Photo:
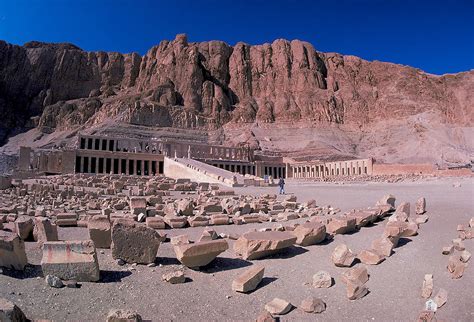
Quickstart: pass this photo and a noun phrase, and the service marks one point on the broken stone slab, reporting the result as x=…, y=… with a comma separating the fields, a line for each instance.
x=342, y=256
x=278, y=306
x=441, y=298
x=179, y=240
x=383, y=246
x=356, y=291
x=9, y=312
x=176, y=277
x=363, y=218
x=370, y=257
x=248, y=280
x=421, y=219
x=356, y=275
x=123, y=316
x=185, y=207
x=44, y=230
x=387, y=200
x=322, y=279
x=405, y=228
x=219, y=219
x=313, y=305
x=134, y=243
x=24, y=227
x=99, y=228
x=420, y=206
x=208, y=234
x=254, y=245
x=456, y=266
x=265, y=316
x=66, y=219
x=458, y=244
x=427, y=288
x=201, y=253
x=404, y=207
x=12, y=251
x=465, y=256
x=71, y=260
x=156, y=222
x=341, y=225
x=448, y=250
x=426, y=316
x=198, y=221
x=137, y=205
x=176, y=221
x=309, y=233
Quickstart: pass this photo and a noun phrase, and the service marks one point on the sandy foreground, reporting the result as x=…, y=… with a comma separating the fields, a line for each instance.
x=395, y=284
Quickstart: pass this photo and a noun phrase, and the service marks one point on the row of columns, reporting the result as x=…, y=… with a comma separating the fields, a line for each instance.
x=87, y=164
x=342, y=168
x=243, y=169
x=274, y=172
x=171, y=149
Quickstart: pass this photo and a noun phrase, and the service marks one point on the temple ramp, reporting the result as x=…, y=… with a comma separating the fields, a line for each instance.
x=200, y=172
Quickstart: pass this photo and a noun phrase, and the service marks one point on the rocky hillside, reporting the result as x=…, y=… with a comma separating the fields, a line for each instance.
x=211, y=86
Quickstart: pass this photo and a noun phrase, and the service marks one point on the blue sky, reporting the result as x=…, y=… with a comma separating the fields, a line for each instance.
x=436, y=36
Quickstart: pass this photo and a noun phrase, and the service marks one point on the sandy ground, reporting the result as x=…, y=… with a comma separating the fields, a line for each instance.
x=395, y=284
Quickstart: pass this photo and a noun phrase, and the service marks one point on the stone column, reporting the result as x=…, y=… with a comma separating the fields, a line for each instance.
x=89, y=165
x=81, y=169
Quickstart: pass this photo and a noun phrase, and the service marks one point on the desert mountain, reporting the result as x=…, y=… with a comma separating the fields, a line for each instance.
x=284, y=98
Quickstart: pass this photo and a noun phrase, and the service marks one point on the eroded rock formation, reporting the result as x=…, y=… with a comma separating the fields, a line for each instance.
x=210, y=84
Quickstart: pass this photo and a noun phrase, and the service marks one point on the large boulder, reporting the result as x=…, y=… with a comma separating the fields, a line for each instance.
x=134, y=243
x=71, y=260
x=200, y=253
x=310, y=233
x=254, y=245
x=12, y=251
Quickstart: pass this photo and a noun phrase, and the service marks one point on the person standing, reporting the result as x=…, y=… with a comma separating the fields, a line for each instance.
x=281, y=183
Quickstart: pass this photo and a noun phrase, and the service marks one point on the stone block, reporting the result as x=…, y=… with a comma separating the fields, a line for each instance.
x=12, y=251
x=310, y=233
x=341, y=225
x=342, y=256
x=71, y=260
x=134, y=243
x=24, y=227
x=156, y=222
x=44, y=230
x=248, y=280
x=201, y=253
x=254, y=245
x=99, y=228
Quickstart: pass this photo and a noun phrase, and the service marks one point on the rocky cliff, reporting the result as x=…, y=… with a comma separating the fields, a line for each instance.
x=213, y=86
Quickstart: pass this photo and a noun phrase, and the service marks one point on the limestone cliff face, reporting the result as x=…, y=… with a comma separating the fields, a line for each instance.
x=209, y=84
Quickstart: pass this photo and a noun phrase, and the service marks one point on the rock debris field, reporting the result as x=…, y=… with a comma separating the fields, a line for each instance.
x=121, y=248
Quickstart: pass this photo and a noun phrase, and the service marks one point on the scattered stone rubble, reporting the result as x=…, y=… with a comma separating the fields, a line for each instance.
x=123, y=213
